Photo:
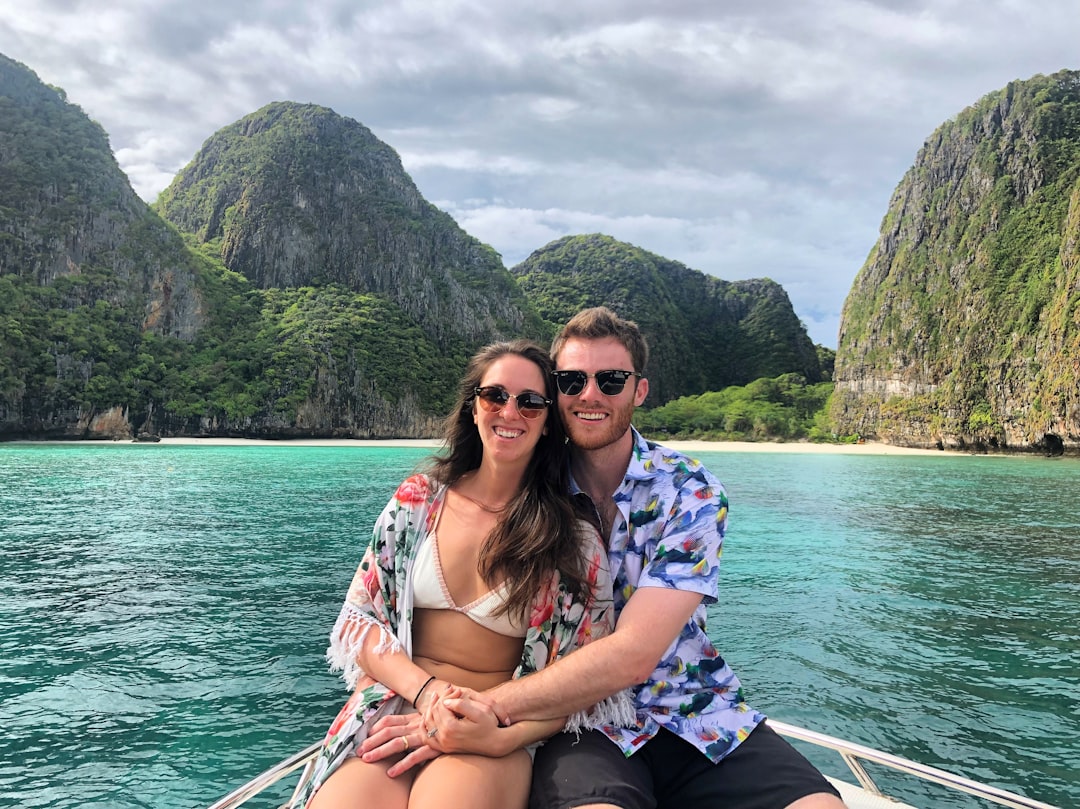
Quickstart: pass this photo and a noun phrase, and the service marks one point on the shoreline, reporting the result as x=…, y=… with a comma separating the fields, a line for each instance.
x=432, y=443
x=689, y=447
x=805, y=447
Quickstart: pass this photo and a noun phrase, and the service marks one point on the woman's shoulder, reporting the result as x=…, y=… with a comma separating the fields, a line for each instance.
x=416, y=490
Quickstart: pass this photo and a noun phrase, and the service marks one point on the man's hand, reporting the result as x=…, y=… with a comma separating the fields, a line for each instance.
x=385, y=740
x=463, y=724
x=478, y=700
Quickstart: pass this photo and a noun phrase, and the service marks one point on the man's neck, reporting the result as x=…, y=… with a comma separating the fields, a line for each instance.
x=600, y=472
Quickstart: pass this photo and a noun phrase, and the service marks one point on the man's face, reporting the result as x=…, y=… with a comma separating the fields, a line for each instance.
x=595, y=419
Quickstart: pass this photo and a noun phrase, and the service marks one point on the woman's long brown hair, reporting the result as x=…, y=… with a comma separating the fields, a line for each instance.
x=539, y=532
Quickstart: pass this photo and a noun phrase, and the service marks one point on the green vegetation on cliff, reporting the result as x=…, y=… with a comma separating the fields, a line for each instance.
x=284, y=362
x=300, y=359
x=54, y=159
x=783, y=408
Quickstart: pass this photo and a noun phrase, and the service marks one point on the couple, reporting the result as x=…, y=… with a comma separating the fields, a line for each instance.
x=485, y=574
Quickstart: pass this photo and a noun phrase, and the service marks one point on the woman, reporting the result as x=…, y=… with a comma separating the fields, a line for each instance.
x=477, y=572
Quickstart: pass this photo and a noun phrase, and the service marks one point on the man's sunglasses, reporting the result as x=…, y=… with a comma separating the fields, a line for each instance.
x=610, y=383
x=493, y=399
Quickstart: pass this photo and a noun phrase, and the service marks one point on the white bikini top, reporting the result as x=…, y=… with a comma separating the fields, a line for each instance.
x=430, y=592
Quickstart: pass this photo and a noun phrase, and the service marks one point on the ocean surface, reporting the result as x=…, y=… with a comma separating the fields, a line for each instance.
x=164, y=611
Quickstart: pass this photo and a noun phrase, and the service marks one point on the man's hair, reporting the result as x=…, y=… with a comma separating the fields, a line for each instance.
x=598, y=323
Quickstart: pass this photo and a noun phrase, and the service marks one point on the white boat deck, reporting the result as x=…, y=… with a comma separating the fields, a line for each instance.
x=858, y=798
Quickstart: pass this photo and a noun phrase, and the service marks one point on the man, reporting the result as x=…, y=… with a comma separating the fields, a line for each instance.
x=695, y=743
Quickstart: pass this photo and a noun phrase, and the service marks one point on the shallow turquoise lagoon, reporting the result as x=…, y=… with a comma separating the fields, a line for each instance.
x=164, y=611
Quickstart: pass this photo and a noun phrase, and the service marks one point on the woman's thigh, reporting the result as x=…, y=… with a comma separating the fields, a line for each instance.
x=460, y=781
x=356, y=784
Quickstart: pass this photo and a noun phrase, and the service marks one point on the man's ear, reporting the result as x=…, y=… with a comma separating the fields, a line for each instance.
x=641, y=391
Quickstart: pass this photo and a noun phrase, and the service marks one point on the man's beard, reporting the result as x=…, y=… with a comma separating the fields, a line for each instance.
x=615, y=426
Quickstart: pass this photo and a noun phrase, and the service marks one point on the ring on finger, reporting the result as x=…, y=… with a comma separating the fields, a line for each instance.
x=404, y=744
x=432, y=732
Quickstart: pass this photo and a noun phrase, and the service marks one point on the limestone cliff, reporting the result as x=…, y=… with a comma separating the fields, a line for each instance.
x=295, y=195
x=67, y=209
x=962, y=329
x=75, y=241
x=704, y=333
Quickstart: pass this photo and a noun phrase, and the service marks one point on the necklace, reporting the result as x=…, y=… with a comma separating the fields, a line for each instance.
x=478, y=504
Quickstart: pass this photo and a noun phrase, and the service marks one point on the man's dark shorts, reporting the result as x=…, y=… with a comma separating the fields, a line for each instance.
x=764, y=772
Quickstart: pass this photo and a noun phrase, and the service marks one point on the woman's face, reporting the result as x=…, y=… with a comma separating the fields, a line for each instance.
x=507, y=434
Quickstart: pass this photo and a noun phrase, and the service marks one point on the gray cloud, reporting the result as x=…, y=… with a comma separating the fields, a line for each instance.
x=744, y=141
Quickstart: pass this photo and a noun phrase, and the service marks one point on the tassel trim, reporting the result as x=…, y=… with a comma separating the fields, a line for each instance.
x=617, y=710
x=347, y=641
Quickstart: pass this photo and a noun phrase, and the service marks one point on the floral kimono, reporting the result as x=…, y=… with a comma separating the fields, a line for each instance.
x=380, y=599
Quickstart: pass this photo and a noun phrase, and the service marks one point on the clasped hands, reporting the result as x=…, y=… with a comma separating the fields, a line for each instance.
x=452, y=720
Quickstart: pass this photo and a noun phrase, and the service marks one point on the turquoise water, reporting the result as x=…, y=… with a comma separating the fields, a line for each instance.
x=164, y=611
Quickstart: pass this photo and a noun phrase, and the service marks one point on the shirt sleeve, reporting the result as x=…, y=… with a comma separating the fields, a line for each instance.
x=686, y=555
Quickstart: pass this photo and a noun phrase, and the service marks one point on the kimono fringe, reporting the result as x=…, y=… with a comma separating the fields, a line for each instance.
x=347, y=640
x=617, y=710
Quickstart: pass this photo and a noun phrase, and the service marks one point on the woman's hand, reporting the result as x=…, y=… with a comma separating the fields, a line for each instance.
x=396, y=734
x=431, y=697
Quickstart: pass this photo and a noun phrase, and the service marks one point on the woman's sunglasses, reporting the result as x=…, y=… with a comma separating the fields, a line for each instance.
x=610, y=383
x=493, y=399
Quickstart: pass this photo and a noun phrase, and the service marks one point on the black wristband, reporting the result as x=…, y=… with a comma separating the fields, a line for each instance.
x=421, y=691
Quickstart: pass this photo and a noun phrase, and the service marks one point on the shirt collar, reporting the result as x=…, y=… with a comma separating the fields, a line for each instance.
x=641, y=462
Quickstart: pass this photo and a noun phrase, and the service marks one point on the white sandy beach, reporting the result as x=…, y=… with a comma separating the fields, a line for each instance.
x=689, y=447
x=305, y=442
x=867, y=448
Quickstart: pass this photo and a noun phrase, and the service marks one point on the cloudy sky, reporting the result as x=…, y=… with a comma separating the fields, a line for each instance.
x=744, y=139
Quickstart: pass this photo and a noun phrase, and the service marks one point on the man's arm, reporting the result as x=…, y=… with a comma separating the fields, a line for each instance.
x=651, y=620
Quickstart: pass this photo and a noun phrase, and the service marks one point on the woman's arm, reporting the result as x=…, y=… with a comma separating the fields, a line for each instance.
x=395, y=670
